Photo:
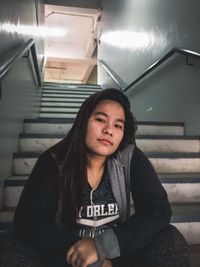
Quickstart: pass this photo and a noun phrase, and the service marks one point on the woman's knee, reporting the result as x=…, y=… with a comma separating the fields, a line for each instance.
x=16, y=252
x=168, y=249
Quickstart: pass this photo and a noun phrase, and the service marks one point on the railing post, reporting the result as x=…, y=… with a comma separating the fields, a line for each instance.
x=0, y=91
x=37, y=71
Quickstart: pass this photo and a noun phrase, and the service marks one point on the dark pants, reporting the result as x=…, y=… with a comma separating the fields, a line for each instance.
x=15, y=252
x=167, y=249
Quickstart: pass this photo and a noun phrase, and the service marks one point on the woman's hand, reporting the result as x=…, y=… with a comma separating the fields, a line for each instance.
x=107, y=263
x=82, y=253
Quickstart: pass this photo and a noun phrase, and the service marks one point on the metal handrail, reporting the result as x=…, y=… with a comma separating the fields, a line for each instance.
x=114, y=76
x=156, y=64
x=7, y=64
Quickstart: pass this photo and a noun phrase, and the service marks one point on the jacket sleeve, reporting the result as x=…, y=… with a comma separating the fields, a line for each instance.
x=35, y=214
x=152, y=209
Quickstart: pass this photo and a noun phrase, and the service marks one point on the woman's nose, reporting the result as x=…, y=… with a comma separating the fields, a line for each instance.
x=108, y=130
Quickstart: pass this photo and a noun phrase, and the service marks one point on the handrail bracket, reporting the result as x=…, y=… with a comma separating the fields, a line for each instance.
x=26, y=55
x=187, y=61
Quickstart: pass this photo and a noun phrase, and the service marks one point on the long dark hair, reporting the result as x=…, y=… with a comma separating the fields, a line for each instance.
x=73, y=178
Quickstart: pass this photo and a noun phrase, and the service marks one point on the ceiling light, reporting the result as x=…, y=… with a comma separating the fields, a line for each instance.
x=129, y=39
x=33, y=30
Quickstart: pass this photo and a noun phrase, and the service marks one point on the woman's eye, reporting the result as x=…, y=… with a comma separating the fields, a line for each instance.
x=119, y=126
x=100, y=120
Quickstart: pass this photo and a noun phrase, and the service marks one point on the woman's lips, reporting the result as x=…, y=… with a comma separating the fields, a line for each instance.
x=105, y=141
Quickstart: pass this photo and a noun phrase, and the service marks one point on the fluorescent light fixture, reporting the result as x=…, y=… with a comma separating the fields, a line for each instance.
x=33, y=30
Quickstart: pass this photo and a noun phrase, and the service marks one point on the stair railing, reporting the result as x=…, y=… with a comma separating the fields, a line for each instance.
x=187, y=53
x=12, y=57
x=113, y=75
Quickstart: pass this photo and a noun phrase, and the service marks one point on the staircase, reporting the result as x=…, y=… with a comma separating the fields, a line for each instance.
x=175, y=156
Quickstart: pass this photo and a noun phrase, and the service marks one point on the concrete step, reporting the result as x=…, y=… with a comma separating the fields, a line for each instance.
x=179, y=192
x=57, y=115
x=165, y=144
x=65, y=95
x=179, y=178
x=44, y=126
x=187, y=220
x=183, y=192
x=24, y=162
x=59, y=104
x=58, y=109
x=37, y=142
x=160, y=128
x=194, y=251
x=189, y=229
x=175, y=162
x=6, y=219
x=68, y=92
x=163, y=163
x=170, y=143
x=13, y=187
x=72, y=86
x=61, y=126
x=63, y=99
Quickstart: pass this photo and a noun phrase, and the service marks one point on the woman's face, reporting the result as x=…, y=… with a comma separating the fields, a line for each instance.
x=105, y=128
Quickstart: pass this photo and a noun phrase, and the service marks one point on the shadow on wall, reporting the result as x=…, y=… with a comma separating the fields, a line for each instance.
x=169, y=93
x=20, y=99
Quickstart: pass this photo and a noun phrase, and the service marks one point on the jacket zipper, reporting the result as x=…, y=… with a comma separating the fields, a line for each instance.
x=92, y=231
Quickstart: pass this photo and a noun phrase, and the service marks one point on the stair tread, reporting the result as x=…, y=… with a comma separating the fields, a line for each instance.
x=193, y=248
x=179, y=175
x=7, y=215
x=171, y=137
x=166, y=176
x=50, y=120
x=72, y=85
x=35, y=135
x=164, y=181
x=152, y=155
x=156, y=123
x=185, y=209
x=59, y=106
x=173, y=155
x=26, y=154
x=16, y=180
x=19, y=180
x=189, y=180
x=58, y=112
x=17, y=177
x=65, y=96
x=69, y=91
x=185, y=218
x=62, y=100
x=154, y=137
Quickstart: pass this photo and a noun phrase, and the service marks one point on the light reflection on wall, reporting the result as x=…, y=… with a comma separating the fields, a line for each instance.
x=32, y=30
x=128, y=39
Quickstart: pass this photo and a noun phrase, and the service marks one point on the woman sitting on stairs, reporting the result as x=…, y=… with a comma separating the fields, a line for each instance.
x=75, y=206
